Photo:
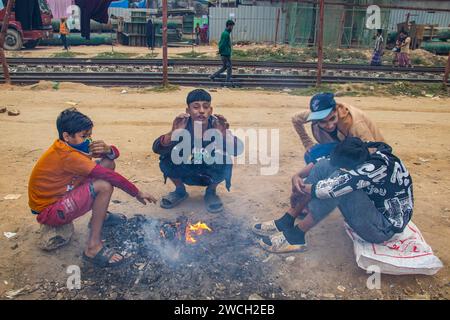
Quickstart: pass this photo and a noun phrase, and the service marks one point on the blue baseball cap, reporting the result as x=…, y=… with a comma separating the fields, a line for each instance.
x=321, y=106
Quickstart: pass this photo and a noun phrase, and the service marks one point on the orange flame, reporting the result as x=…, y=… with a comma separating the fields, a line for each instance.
x=195, y=229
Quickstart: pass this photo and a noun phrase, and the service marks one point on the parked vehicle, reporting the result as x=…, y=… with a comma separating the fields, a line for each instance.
x=16, y=37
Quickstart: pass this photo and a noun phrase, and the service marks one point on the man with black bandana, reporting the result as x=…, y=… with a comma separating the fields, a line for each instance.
x=369, y=184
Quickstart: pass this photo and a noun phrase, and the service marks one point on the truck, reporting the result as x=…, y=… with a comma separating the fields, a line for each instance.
x=16, y=37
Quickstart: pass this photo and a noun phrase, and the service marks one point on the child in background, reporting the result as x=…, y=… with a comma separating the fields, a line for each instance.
x=64, y=32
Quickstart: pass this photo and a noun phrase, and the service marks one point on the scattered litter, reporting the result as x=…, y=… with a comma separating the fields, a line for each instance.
x=124, y=91
x=116, y=201
x=14, y=293
x=267, y=259
x=140, y=266
x=290, y=259
x=13, y=112
x=12, y=196
x=429, y=96
x=404, y=253
x=341, y=288
x=328, y=296
x=9, y=235
x=255, y=296
x=419, y=297
x=424, y=160
x=71, y=103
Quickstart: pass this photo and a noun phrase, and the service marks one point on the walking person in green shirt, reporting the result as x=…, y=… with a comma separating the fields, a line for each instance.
x=225, y=52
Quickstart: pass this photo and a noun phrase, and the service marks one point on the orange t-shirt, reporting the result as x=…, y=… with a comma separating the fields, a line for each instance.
x=63, y=29
x=60, y=169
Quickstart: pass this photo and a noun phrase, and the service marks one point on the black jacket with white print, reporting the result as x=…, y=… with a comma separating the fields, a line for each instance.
x=383, y=177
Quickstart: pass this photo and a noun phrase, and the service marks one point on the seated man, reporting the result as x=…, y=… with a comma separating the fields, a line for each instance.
x=331, y=123
x=373, y=191
x=65, y=184
x=203, y=163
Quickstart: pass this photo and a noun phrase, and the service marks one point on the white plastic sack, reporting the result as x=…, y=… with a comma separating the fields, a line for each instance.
x=404, y=253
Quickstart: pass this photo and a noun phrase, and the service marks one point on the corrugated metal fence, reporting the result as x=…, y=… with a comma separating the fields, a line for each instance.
x=442, y=19
x=255, y=24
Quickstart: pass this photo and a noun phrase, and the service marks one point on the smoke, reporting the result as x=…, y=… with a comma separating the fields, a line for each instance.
x=168, y=250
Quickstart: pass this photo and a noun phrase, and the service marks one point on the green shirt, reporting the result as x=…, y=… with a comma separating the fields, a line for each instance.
x=225, y=44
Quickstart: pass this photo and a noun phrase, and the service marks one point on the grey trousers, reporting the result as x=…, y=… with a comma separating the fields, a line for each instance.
x=358, y=210
x=226, y=61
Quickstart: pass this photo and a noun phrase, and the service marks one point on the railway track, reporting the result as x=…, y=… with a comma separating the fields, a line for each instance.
x=212, y=62
x=152, y=79
x=190, y=72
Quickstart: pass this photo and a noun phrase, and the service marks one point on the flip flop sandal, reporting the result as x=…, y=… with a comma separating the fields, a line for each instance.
x=213, y=203
x=172, y=199
x=267, y=228
x=279, y=244
x=113, y=219
x=103, y=257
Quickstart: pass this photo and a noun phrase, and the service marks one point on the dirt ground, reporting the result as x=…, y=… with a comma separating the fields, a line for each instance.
x=419, y=56
x=92, y=51
x=417, y=128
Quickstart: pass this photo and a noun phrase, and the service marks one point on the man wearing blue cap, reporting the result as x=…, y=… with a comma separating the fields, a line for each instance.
x=332, y=122
x=225, y=52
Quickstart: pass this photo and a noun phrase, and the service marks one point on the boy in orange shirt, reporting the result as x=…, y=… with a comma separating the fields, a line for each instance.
x=65, y=184
x=64, y=32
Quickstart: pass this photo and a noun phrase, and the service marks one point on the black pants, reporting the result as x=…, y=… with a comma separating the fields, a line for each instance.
x=64, y=41
x=226, y=61
x=29, y=14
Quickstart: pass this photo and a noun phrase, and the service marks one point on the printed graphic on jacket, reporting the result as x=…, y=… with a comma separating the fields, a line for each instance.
x=383, y=177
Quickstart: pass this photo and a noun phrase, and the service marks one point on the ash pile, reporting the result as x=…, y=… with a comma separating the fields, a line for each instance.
x=218, y=262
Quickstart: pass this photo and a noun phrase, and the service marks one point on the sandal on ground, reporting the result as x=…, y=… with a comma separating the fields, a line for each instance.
x=112, y=219
x=172, y=199
x=279, y=244
x=267, y=228
x=213, y=202
x=103, y=257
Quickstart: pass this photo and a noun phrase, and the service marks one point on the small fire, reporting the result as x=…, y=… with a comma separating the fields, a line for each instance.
x=195, y=229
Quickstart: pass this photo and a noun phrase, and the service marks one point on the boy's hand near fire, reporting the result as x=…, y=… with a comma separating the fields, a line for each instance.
x=142, y=196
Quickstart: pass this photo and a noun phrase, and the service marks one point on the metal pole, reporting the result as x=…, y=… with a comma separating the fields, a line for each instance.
x=447, y=71
x=164, y=40
x=278, y=23
x=5, y=23
x=320, y=44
